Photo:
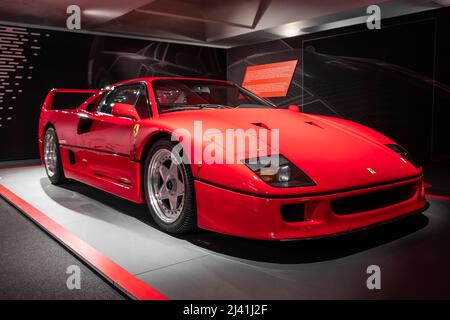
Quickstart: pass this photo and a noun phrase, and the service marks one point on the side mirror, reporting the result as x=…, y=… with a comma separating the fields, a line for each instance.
x=295, y=108
x=124, y=110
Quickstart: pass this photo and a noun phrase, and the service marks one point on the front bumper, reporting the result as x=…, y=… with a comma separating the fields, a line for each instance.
x=258, y=217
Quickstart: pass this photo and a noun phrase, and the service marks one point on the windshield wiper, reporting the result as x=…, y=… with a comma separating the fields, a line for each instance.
x=196, y=107
x=213, y=106
x=251, y=105
x=181, y=108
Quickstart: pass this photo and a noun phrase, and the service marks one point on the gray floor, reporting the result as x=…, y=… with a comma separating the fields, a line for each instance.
x=33, y=265
x=19, y=163
x=413, y=253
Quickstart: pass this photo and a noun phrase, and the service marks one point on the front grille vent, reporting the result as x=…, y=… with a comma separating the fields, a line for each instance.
x=373, y=200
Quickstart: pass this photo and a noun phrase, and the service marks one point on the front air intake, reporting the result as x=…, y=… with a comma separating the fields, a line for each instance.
x=293, y=212
x=373, y=200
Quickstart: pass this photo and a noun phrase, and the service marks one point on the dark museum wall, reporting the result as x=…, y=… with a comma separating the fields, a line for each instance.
x=395, y=80
x=33, y=61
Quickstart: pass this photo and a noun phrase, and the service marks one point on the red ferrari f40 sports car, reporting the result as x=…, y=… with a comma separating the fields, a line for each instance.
x=160, y=141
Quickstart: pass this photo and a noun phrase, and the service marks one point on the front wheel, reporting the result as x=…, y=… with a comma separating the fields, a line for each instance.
x=52, y=157
x=169, y=189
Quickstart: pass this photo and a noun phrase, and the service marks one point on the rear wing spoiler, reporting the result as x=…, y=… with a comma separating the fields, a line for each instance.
x=79, y=96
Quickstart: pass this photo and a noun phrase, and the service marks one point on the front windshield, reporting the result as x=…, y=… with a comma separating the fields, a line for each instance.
x=177, y=95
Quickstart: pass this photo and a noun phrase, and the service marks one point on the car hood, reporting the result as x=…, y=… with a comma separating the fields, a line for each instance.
x=336, y=154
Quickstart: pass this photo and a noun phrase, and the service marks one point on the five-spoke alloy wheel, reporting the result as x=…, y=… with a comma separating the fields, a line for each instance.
x=52, y=158
x=166, y=182
x=169, y=189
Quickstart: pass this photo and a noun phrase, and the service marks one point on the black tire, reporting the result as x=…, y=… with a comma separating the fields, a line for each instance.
x=187, y=219
x=57, y=176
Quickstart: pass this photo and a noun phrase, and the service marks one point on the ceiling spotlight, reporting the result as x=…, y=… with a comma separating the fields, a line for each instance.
x=101, y=13
x=289, y=30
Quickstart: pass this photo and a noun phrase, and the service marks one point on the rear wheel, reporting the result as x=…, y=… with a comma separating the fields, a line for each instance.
x=52, y=157
x=169, y=189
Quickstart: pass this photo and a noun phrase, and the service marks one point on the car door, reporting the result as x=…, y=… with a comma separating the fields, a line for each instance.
x=107, y=139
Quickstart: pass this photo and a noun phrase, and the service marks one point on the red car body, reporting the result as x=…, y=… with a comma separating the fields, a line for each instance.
x=350, y=164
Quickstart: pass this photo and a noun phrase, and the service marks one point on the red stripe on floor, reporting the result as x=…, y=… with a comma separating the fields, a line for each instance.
x=435, y=196
x=112, y=271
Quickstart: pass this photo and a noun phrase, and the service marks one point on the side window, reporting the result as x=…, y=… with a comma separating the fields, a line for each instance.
x=135, y=95
x=94, y=104
x=105, y=105
x=142, y=105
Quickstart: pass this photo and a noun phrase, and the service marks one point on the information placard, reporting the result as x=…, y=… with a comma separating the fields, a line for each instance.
x=270, y=80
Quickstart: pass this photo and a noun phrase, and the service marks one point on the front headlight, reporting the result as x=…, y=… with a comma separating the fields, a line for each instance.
x=278, y=171
x=404, y=154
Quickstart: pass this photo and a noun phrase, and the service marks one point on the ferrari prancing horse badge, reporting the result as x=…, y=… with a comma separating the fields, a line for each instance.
x=135, y=130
